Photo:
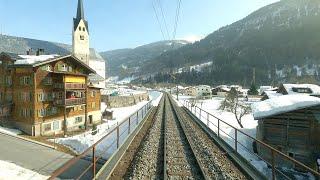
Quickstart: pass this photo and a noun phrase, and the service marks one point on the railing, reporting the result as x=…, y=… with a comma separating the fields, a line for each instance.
x=70, y=102
x=58, y=85
x=86, y=164
x=235, y=140
x=76, y=101
x=75, y=86
x=59, y=101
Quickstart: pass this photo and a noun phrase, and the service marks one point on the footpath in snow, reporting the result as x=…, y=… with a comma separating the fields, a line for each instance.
x=12, y=171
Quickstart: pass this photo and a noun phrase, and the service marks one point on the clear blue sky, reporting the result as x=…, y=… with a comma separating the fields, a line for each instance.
x=118, y=24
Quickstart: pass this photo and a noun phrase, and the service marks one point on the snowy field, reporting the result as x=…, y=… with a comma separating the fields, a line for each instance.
x=81, y=142
x=12, y=171
x=227, y=133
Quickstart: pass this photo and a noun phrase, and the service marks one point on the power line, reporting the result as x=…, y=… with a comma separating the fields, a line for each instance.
x=176, y=20
x=155, y=12
x=164, y=19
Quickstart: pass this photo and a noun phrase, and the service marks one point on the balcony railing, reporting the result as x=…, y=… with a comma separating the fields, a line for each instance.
x=70, y=102
x=75, y=86
x=77, y=101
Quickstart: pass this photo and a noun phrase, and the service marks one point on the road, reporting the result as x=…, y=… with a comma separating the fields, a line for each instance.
x=32, y=156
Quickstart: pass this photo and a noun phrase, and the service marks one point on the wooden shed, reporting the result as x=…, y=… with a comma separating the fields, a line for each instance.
x=291, y=124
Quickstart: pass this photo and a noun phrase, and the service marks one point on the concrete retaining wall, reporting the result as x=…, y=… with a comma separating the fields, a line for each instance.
x=124, y=101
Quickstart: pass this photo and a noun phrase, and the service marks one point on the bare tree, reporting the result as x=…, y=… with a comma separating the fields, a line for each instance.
x=236, y=106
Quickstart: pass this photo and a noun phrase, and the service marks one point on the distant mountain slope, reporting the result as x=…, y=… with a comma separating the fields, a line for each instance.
x=126, y=61
x=20, y=45
x=273, y=38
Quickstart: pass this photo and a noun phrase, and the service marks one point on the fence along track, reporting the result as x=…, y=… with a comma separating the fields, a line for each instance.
x=172, y=146
x=142, y=155
x=212, y=159
x=180, y=160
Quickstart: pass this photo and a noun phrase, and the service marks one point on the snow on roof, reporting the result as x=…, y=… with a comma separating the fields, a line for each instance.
x=32, y=59
x=204, y=86
x=272, y=94
x=282, y=104
x=314, y=88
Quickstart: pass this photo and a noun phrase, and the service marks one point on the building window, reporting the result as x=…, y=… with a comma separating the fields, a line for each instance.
x=47, y=127
x=84, y=29
x=79, y=28
x=78, y=120
x=41, y=112
x=56, y=125
x=54, y=110
x=70, y=69
x=81, y=37
x=93, y=93
x=60, y=95
x=25, y=112
x=46, y=68
x=302, y=90
x=47, y=81
x=93, y=105
x=25, y=80
x=9, y=80
x=62, y=67
x=40, y=97
x=25, y=96
x=8, y=97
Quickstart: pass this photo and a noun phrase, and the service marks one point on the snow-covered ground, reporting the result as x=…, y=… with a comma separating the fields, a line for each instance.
x=13, y=132
x=12, y=171
x=81, y=142
x=227, y=133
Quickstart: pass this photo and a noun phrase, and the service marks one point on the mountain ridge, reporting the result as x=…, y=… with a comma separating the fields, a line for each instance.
x=127, y=61
x=275, y=37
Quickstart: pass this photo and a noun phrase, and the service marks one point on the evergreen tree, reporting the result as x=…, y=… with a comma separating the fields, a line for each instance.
x=253, y=90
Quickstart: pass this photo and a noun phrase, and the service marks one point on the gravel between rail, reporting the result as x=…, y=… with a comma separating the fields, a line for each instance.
x=172, y=146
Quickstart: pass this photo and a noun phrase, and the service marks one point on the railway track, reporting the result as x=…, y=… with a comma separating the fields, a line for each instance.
x=171, y=145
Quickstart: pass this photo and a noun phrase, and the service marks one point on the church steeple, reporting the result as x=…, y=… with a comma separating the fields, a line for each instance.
x=80, y=35
x=80, y=11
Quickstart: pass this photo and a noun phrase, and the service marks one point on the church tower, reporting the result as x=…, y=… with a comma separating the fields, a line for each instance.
x=80, y=36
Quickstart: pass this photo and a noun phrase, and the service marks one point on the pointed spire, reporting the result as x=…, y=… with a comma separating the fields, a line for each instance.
x=80, y=11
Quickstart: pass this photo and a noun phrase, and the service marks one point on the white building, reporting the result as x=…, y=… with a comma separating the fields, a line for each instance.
x=203, y=91
x=81, y=48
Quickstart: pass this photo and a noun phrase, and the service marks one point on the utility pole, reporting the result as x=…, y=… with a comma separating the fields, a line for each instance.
x=254, y=76
x=175, y=80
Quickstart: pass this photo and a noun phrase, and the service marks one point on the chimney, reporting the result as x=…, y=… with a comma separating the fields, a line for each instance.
x=29, y=52
x=40, y=52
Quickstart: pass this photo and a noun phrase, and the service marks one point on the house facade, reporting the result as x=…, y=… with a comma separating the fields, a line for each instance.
x=47, y=94
x=290, y=124
x=203, y=91
x=190, y=91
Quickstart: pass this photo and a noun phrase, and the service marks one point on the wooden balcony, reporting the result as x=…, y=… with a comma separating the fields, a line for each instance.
x=70, y=102
x=75, y=86
x=77, y=101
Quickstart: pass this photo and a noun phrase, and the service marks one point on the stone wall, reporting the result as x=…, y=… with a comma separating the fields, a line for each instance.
x=124, y=101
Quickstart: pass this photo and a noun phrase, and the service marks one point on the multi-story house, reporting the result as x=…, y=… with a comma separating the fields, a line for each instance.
x=47, y=94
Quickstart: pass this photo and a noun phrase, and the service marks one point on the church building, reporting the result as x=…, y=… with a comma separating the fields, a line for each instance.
x=81, y=47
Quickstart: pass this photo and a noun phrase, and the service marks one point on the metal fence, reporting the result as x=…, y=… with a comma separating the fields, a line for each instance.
x=87, y=164
x=241, y=142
